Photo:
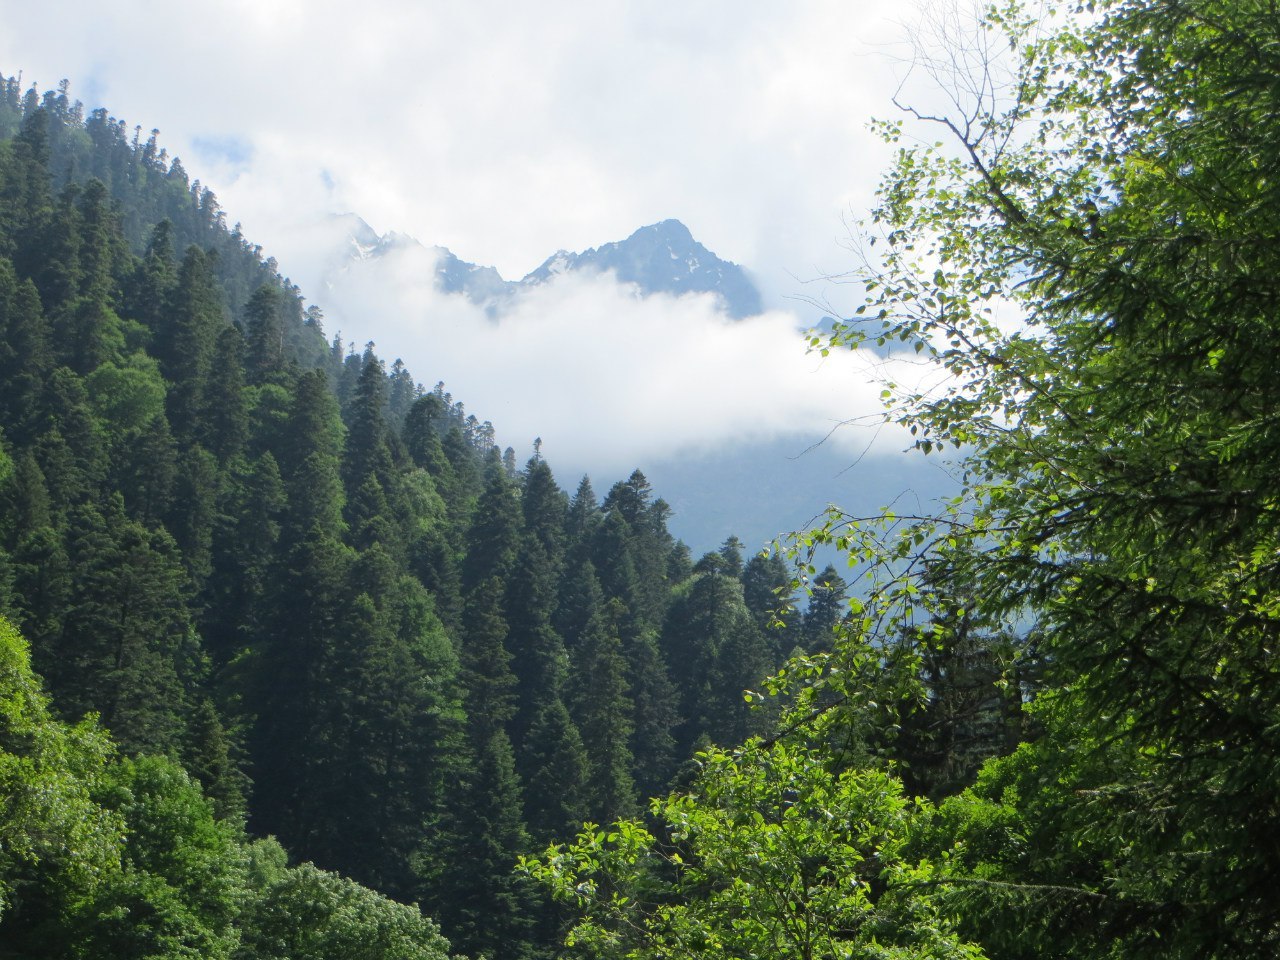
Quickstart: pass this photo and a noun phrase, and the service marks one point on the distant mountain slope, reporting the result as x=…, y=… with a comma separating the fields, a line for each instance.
x=660, y=258
x=269, y=558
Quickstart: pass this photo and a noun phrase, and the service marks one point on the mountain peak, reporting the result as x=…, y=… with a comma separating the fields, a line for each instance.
x=662, y=257
x=362, y=237
x=673, y=229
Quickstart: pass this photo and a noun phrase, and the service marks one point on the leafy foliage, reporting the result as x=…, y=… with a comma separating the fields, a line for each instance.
x=1090, y=262
x=306, y=912
x=49, y=823
x=771, y=855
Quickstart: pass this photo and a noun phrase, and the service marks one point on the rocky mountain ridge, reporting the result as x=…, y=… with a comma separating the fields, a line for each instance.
x=660, y=258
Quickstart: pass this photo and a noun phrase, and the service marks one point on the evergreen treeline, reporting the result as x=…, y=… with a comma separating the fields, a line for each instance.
x=318, y=588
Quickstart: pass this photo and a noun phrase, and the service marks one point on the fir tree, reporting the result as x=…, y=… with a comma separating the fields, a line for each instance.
x=710, y=632
x=150, y=293
x=581, y=522
x=264, y=334
x=367, y=466
x=225, y=413
x=495, y=531
x=470, y=886
x=602, y=709
x=827, y=608
x=398, y=735
x=39, y=570
x=123, y=644
x=71, y=452
x=147, y=472
x=186, y=342
x=655, y=714
x=245, y=536
x=556, y=772
x=491, y=687
x=296, y=722
x=193, y=510
x=26, y=356
x=210, y=756
x=766, y=590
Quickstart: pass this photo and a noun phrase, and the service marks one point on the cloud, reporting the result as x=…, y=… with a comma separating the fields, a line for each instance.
x=503, y=130
x=610, y=380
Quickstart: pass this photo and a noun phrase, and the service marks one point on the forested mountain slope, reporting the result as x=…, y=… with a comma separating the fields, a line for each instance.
x=1047, y=726
x=358, y=626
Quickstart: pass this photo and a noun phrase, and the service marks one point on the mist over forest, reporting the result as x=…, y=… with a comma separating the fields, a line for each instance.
x=300, y=659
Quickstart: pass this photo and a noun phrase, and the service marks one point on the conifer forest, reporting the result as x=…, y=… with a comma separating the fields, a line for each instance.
x=296, y=662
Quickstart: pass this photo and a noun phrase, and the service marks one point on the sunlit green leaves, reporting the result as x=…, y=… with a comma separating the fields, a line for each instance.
x=1091, y=260
x=773, y=853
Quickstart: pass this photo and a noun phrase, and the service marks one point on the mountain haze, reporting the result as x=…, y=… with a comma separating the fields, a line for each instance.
x=660, y=258
x=663, y=258
x=712, y=390
x=300, y=597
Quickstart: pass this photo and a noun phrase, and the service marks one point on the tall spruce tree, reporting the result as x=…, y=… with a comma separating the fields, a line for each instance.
x=26, y=354
x=494, y=535
x=186, y=342
x=602, y=708
x=226, y=414
x=398, y=741
x=39, y=571
x=245, y=538
x=264, y=334
x=368, y=467
x=469, y=883
x=766, y=590
x=126, y=642
x=654, y=715
x=711, y=633
x=289, y=683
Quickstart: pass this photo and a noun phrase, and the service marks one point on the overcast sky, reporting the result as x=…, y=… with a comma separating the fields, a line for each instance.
x=506, y=131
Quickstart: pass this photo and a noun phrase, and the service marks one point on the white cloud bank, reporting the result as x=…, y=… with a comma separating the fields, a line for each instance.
x=506, y=130
x=607, y=379
x=503, y=130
